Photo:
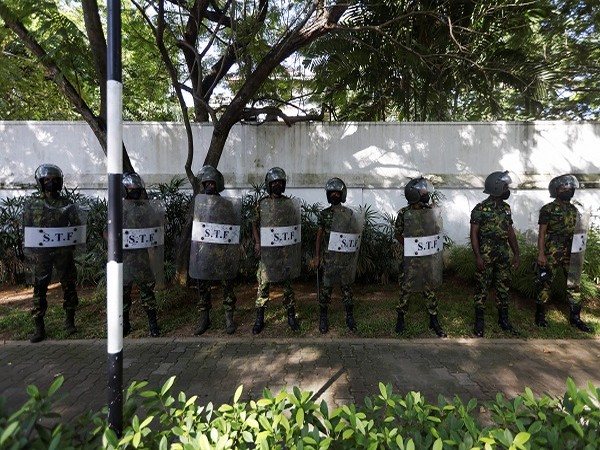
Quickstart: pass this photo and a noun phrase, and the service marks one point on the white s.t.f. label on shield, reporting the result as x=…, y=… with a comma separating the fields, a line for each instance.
x=280, y=236
x=343, y=242
x=215, y=233
x=423, y=246
x=38, y=237
x=137, y=238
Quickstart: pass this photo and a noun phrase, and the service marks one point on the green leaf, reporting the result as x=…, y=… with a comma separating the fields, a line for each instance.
x=238, y=393
x=137, y=438
x=300, y=417
x=264, y=402
x=438, y=444
x=146, y=421
x=163, y=445
x=383, y=391
x=8, y=432
x=33, y=391
x=167, y=386
x=521, y=438
x=56, y=384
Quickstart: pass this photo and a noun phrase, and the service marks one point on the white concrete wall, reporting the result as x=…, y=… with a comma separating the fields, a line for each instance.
x=374, y=159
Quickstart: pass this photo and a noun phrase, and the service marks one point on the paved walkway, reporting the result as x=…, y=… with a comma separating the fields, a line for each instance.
x=337, y=370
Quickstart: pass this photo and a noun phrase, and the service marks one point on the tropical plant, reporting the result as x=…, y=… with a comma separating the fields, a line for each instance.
x=296, y=420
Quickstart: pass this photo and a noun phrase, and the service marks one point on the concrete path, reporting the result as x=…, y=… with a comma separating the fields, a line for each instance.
x=339, y=371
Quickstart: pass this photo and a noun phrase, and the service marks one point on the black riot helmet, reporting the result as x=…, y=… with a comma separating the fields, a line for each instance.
x=209, y=173
x=275, y=174
x=133, y=186
x=417, y=189
x=495, y=182
x=336, y=185
x=49, y=178
x=566, y=180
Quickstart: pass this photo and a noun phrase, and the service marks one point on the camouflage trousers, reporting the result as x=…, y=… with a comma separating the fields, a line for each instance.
x=262, y=295
x=204, y=294
x=558, y=263
x=42, y=275
x=428, y=294
x=325, y=295
x=496, y=275
x=147, y=297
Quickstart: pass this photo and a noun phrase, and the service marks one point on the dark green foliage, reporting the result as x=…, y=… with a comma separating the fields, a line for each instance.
x=376, y=261
x=297, y=420
x=11, y=240
x=591, y=265
x=177, y=208
x=249, y=260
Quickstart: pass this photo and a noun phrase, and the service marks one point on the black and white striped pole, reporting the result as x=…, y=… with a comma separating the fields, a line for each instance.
x=114, y=266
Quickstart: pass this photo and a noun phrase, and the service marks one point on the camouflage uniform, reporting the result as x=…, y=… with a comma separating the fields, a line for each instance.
x=324, y=222
x=204, y=291
x=429, y=294
x=262, y=295
x=136, y=262
x=560, y=219
x=51, y=213
x=494, y=220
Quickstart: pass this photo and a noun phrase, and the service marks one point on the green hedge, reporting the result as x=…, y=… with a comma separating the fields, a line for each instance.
x=294, y=420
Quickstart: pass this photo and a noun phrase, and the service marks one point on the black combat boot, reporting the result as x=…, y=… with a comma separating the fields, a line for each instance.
x=575, y=320
x=350, y=323
x=204, y=323
x=126, y=324
x=40, y=331
x=540, y=315
x=479, y=322
x=400, y=323
x=435, y=326
x=229, y=325
x=259, y=324
x=152, y=323
x=292, y=322
x=323, y=322
x=70, y=322
x=504, y=322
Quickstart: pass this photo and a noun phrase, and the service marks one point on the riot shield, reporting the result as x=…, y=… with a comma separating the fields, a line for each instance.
x=143, y=242
x=215, y=246
x=578, y=250
x=52, y=237
x=423, y=248
x=340, y=260
x=280, y=239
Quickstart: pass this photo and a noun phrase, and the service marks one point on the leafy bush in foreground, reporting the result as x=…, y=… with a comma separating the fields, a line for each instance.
x=158, y=420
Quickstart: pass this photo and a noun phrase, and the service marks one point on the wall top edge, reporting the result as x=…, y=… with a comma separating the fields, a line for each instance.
x=532, y=122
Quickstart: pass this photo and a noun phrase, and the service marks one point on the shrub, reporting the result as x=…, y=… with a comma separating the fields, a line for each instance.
x=294, y=420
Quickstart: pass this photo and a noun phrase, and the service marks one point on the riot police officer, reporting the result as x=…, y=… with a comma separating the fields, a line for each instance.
x=557, y=221
x=138, y=263
x=491, y=235
x=50, y=209
x=420, y=271
x=216, y=255
x=277, y=220
x=338, y=264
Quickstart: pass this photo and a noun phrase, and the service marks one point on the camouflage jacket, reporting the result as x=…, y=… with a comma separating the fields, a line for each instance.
x=425, y=229
x=494, y=220
x=256, y=217
x=560, y=218
x=57, y=212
